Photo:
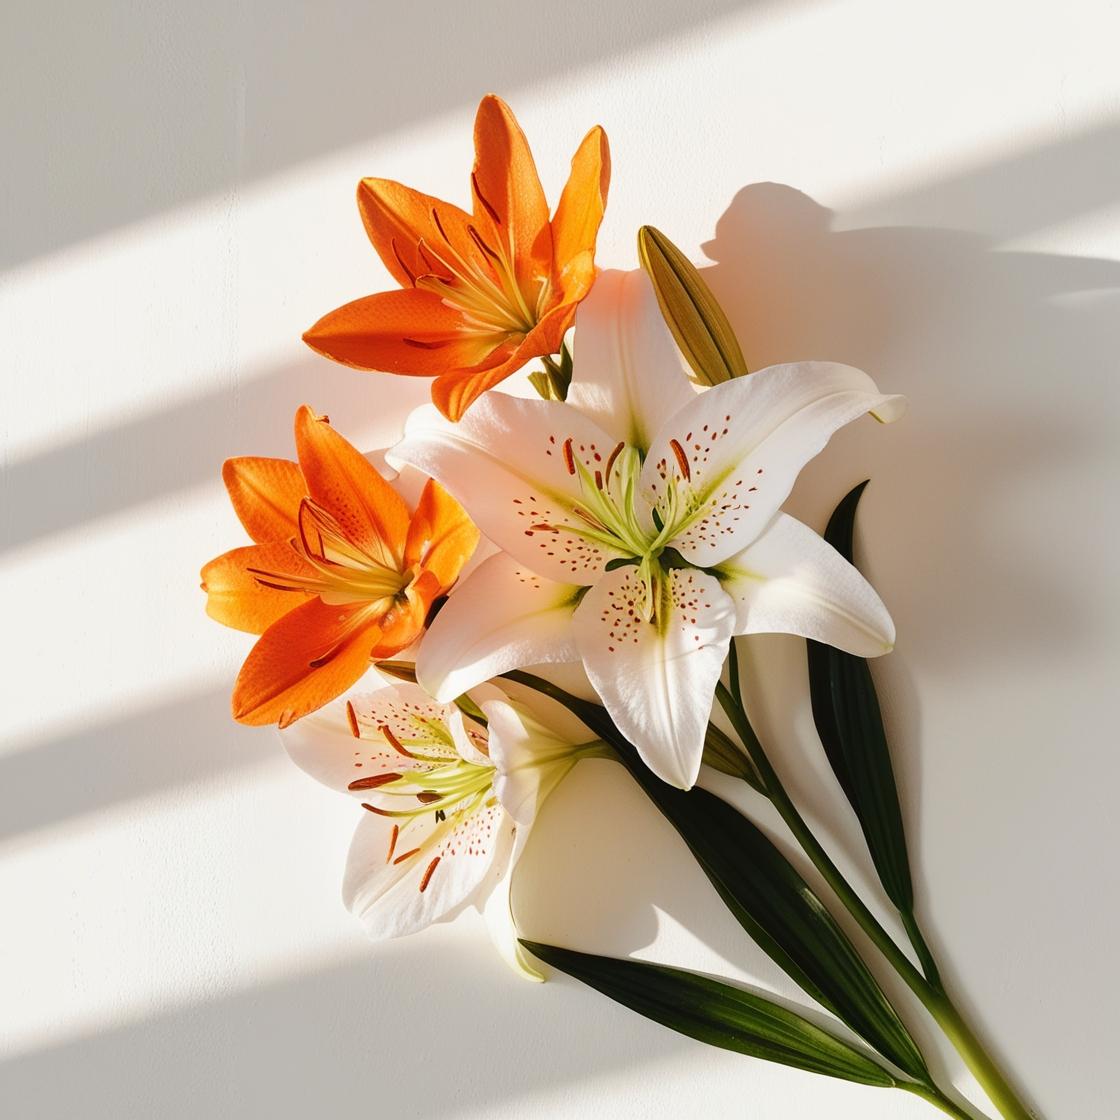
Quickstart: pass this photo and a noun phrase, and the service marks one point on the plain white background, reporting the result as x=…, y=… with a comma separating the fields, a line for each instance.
x=927, y=190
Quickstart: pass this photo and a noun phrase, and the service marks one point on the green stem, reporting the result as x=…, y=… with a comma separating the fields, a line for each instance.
x=938, y=1099
x=929, y=991
x=923, y=951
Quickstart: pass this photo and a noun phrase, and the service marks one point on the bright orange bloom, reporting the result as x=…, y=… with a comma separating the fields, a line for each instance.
x=483, y=293
x=340, y=574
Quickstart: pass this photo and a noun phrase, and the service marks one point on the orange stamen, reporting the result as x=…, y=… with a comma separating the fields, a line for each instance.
x=682, y=459
x=373, y=781
x=610, y=462
x=428, y=874
x=393, y=741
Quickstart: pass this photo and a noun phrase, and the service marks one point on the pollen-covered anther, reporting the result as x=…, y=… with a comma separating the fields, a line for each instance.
x=610, y=462
x=682, y=459
x=429, y=871
x=569, y=458
x=373, y=781
x=393, y=741
x=352, y=719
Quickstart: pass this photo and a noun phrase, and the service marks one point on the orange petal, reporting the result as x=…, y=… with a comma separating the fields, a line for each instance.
x=408, y=331
x=265, y=494
x=234, y=596
x=405, y=622
x=509, y=199
x=371, y=514
x=457, y=390
x=441, y=537
x=397, y=218
x=303, y=661
x=575, y=225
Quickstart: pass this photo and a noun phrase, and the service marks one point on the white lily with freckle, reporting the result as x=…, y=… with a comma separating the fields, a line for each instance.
x=641, y=527
x=448, y=799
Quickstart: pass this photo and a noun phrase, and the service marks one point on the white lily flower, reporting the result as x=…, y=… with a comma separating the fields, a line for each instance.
x=641, y=525
x=449, y=802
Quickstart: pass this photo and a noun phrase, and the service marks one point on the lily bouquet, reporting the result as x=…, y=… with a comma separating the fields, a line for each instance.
x=632, y=525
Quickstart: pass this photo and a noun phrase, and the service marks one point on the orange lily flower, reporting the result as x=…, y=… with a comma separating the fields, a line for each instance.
x=340, y=574
x=483, y=293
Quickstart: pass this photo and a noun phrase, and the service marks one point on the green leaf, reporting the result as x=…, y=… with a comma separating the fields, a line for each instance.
x=717, y=1014
x=765, y=894
x=850, y=726
x=697, y=321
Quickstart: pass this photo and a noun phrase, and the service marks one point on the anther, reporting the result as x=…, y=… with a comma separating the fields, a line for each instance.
x=393, y=741
x=428, y=873
x=439, y=225
x=407, y=271
x=373, y=781
x=476, y=237
x=569, y=458
x=610, y=462
x=482, y=198
x=682, y=459
x=352, y=718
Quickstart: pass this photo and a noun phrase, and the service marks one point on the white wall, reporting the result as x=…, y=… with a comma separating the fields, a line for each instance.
x=928, y=190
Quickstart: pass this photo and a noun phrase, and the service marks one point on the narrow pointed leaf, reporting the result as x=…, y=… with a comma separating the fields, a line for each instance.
x=697, y=321
x=717, y=1014
x=765, y=894
x=850, y=725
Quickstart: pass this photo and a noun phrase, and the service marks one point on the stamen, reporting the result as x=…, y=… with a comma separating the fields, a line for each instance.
x=393, y=741
x=439, y=226
x=610, y=462
x=393, y=841
x=426, y=345
x=406, y=855
x=682, y=459
x=482, y=198
x=569, y=458
x=407, y=271
x=373, y=781
x=477, y=238
x=428, y=874
x=352, y=718
x=590, y=518
x=598, y=480
x=427, y=796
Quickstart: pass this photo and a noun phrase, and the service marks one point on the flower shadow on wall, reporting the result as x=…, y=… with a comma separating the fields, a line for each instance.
x=1001, y=469
x=975, y=338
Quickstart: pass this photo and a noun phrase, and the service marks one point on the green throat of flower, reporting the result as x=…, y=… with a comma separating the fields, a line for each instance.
x=610, y=514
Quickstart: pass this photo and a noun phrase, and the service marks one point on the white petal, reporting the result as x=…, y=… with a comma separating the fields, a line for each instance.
x=657, y=680
x=628, y=374
x=791, y=581
x=323, y=743
x=510, y=464
x=530, y=759
x=501, y=617
x=453, y=860
x=497, y=908
x=745, y=442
